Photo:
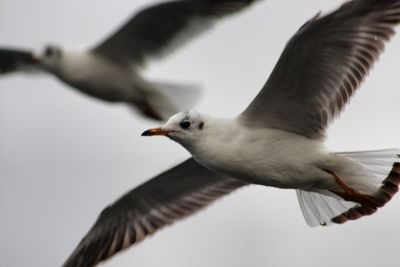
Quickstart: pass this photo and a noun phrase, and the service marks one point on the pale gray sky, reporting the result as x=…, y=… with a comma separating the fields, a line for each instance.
x=64, y=156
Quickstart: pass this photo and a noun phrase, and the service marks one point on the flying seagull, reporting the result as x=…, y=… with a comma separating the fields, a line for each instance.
x=110, y=70
x=277, y=141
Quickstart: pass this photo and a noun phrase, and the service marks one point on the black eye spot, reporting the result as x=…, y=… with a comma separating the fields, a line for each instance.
x=185, y=124
x=49, y=51
x=201, y=125
x=52, y=51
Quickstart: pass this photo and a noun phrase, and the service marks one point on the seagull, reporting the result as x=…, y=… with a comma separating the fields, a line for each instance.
x=110, y=71
x=276, y=141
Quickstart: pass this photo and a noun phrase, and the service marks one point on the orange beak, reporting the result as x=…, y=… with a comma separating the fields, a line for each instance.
x=156, y=131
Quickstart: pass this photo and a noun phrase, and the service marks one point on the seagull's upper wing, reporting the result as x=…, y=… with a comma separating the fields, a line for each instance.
x=156, y=29
x=170, y=196
x=322, y=66
x=14, y=60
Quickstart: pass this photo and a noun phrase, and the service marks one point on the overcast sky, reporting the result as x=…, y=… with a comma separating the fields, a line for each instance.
x=65, y=156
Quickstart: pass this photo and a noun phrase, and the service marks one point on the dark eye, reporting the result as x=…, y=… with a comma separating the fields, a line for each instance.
x=49, y=51
x=52, y=51
x=201, y=125
x=185, y=124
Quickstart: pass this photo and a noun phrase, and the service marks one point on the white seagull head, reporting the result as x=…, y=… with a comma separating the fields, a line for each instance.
x=183, y=127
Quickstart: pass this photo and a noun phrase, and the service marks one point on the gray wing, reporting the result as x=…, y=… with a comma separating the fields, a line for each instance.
x=322, y=66
x=12, y=60
x=170, y=196
x=161, y=27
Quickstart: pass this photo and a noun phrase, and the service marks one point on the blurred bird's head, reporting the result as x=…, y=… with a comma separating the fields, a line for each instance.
x=51, y=55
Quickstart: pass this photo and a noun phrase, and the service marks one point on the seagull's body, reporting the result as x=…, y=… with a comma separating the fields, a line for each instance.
x=263, y=156
x=111, y=70
x=268, y=156
x=94, y=75
x=278, y=140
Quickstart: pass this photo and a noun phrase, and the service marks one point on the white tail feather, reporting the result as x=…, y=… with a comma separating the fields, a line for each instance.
x=377, y=162
x=162, y=100
x=180, y=97
x=319, y=208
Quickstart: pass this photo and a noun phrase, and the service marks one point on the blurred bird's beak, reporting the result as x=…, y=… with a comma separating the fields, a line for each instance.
x=156, y=131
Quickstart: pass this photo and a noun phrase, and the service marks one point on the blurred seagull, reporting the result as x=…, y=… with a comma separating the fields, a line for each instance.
x=277, y=141
x=110, y=71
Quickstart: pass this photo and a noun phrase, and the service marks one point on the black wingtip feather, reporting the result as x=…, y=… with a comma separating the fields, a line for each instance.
x=12, y=60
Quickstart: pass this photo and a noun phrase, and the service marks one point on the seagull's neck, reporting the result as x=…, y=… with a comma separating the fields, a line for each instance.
x=219, y=134
x=69, y=58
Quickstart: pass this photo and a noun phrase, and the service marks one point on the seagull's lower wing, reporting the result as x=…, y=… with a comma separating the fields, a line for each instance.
x=15, y=60
x=322, y=66
x=170, y=196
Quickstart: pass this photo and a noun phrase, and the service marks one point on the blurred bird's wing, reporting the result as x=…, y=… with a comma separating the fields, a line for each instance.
x=164, y=26
x=322, y=66
x=12, y=60
x=170, y=196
